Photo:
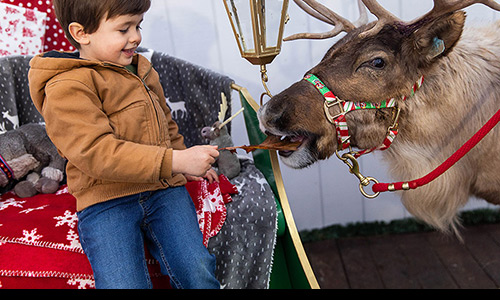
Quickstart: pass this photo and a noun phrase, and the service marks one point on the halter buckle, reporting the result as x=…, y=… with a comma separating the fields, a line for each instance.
x=327, y=105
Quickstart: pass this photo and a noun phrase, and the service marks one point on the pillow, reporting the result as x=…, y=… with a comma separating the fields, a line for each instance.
x=54, y=38
x=22, y=30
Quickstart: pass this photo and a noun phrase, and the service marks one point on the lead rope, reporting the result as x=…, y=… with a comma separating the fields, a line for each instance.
x=459, y=154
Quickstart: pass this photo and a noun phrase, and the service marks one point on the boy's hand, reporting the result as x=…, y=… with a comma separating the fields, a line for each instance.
x=211, y=176
x=195, y=161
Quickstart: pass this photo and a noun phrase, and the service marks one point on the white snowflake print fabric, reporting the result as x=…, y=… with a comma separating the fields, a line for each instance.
x=60, y=233
x=39, y=239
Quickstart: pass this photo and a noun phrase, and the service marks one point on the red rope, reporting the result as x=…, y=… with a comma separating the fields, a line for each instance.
x=474, y=140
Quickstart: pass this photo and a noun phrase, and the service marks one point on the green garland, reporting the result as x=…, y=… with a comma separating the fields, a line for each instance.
x=407, y=225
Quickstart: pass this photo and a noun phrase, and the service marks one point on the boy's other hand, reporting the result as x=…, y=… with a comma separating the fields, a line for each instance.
x=211, y=176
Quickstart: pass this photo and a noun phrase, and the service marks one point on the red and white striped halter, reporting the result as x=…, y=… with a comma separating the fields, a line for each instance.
x=339, y=120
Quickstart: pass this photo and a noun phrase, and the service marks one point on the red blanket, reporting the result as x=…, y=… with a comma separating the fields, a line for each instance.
x=210, y=200
x=39, y=246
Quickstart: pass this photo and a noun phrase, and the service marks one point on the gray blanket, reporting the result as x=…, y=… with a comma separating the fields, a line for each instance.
x=16, y=107
x=244, y=247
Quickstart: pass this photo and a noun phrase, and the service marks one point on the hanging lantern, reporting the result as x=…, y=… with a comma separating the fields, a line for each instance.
x=258, y=27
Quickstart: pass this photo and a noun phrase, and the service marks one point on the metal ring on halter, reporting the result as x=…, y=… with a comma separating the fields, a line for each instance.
x=362, y=190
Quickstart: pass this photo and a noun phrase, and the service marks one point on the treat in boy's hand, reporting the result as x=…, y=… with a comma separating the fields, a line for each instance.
x=272, y=142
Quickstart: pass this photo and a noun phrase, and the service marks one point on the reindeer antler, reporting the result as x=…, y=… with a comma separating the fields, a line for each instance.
x=326, y=15
x=441, y=7
x=384, y=17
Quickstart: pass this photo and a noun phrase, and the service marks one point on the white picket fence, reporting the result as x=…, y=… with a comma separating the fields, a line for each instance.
x=324, y=194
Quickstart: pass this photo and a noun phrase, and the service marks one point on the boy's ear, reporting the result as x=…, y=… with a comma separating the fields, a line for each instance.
x=78, y=33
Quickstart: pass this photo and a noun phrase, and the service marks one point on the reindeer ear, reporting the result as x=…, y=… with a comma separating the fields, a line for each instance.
x=438, y=37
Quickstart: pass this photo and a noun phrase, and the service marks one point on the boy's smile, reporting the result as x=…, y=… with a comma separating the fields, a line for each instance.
x=129, y=52
x=115, y=40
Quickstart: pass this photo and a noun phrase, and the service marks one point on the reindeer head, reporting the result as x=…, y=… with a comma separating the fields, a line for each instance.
x=373, y=62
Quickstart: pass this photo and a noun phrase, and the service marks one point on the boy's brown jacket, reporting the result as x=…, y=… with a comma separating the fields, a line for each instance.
x=112, y=126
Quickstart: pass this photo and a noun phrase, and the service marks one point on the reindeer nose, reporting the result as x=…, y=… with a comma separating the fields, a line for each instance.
x=266, y=115
x=267, y=118
x=274, y=114
x=261, y=116
x=261, y=112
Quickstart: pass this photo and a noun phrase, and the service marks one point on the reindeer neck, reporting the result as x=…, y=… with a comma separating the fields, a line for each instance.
x=459, y=95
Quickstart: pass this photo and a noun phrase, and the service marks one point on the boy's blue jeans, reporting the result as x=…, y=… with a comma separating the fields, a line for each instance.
x=113, y=234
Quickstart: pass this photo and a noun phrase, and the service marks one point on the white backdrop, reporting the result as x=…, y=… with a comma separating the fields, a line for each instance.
x=325, y=193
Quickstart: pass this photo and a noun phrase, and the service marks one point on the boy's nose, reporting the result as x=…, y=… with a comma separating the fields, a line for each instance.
x=136, y=38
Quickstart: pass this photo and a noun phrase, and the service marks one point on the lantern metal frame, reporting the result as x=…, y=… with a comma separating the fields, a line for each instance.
x=261, y=54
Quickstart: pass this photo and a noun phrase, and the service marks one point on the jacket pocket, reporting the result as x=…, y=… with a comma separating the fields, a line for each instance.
x=133, y=123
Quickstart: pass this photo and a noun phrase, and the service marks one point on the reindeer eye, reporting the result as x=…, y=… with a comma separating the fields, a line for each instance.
x=377, y=63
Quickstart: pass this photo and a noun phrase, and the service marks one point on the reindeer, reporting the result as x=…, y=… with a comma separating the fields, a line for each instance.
x=381, y=65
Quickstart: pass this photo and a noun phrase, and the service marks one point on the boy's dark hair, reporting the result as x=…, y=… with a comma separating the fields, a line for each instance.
x=89, y=13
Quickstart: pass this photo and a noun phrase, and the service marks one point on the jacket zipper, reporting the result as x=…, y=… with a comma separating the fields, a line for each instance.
x=148, y=90
x=143, y=80
x=160, y=132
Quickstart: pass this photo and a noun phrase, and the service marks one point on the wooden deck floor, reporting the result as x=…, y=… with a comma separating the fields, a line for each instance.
x=409, y=261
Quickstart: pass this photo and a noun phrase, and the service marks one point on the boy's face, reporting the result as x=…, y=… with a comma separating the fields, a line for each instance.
x=115, y=40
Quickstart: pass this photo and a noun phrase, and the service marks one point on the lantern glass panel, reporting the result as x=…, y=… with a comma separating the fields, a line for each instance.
x=241, y=17
x=270, y=12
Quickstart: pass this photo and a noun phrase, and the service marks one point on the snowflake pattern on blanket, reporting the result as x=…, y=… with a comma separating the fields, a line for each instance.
x=39, y=243
x=60, y=233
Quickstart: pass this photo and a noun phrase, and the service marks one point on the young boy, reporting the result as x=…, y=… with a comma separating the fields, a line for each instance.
x=106, y=113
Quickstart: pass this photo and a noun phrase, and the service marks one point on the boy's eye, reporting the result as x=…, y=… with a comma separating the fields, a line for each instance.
x=125, y=30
